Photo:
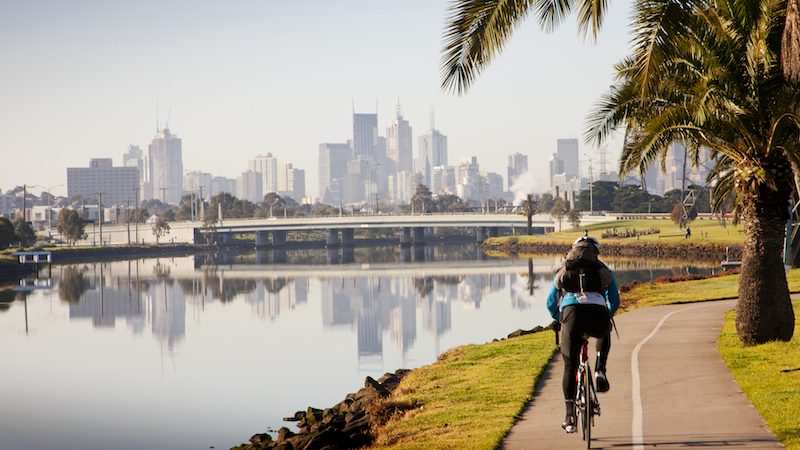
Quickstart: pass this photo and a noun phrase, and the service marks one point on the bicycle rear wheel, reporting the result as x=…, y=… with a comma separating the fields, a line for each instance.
x=588, y=408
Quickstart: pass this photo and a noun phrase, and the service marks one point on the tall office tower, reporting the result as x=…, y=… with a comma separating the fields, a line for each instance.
x=432, y=152
x=398, y=143
x=567, y=150
x=198, y=183
x=357, y=183
x=517, y=165
x=267, y=166
x=135, y=157
x=222, y=185
x=556, y=168
x=248, y=186
x=117, y=185
x=332, y=170
x=437, y=179
x=673, y=176
x=296, y=180
x=166, y=167
x=365, y=135
x=494, y=186
x=402, y=186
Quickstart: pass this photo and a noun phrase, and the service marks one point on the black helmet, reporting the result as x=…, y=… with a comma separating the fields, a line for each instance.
x=586, y=240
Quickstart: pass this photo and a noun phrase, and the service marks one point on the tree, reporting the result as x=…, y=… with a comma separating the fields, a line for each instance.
x=449, y=203
x=559, y=209
x=24, y=233
x=160, y=228
x=477, y=30
x=7, y=235
x=70, y=225
x=422, y=200
x=574, y=217
x=705, y=74
x=529, y=205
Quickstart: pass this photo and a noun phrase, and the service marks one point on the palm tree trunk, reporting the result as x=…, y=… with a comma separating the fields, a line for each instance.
x=790, y=43
x=764, y=310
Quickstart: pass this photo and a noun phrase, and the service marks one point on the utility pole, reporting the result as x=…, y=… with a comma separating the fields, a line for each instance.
x=202, y=205
x=128, y=219
x=100, y=215
x=24, y=194
x=136, y=210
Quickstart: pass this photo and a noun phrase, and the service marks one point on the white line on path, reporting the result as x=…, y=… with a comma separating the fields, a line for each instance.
x=637, y=431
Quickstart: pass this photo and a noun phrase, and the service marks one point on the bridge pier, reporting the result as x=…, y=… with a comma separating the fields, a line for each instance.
x=279, y=238
x=494, y=231
x=224, y=238
x=262, y=239
x=405, y=238
x=419, y=235
x=262, y=256
x=279, y=256
x=480, y=234
x=347, y=237
x=333, y=239
x=348, y=255
x=405, y=253
x=333, y=256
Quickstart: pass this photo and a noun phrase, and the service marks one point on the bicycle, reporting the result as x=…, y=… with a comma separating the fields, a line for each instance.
x=586, y=402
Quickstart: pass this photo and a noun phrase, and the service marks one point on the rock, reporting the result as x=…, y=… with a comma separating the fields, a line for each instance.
x=284, y=434
x=283, y=446
x=260, y=439
x=373, y=385
x=298, y=416
x=313, y=416
x=328, y=438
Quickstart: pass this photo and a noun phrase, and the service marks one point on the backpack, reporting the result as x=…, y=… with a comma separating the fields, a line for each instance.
x=583, y=272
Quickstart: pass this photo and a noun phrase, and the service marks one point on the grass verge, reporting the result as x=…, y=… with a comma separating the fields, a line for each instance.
x=470, y=397
x=660, y=293
x=703, y=232
x=770, y=376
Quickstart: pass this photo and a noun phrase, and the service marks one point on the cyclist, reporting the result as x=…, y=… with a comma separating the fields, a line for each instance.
x=583, y=299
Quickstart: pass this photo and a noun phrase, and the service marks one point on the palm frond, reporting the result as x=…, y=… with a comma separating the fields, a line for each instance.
x=475, y=33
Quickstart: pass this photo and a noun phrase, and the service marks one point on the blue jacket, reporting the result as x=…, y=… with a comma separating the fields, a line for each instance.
x=611, y=294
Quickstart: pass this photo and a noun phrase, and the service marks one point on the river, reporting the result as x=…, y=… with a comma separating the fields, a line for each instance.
x=195, y=352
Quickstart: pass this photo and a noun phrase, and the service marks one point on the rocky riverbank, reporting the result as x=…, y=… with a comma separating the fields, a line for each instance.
x=688, y=249
x=348, y=424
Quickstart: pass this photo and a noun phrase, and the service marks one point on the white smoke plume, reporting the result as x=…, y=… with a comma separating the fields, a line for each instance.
x=528, y=183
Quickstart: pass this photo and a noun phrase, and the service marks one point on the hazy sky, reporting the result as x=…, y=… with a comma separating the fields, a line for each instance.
x=82, y=79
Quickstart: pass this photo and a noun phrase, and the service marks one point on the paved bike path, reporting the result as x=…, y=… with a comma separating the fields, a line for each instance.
x=687, y=396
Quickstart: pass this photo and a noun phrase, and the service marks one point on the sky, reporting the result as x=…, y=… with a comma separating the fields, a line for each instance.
x=84, y=79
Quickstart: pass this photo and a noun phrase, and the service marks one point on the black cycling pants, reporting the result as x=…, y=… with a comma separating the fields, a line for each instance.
x=577, y=322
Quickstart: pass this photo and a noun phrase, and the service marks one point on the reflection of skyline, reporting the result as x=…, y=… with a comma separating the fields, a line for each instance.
x=382, y=309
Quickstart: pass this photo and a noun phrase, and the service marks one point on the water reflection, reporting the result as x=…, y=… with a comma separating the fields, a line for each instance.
x=244, y=341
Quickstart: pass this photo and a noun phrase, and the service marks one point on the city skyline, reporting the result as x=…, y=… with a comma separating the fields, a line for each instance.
x=278, y=103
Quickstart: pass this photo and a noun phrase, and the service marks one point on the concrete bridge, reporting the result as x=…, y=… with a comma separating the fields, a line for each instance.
x=415, y=229
x=340, y=230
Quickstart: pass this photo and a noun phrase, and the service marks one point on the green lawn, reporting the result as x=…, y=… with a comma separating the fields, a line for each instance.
x=758, y=371
x=703, y=231
x=655, y=293
x=469, y=397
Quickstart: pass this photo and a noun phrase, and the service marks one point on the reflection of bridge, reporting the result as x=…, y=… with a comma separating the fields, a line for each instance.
x=407, y=270
x=415, y=228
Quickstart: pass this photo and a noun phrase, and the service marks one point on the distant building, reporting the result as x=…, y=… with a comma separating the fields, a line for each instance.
x=166, y=168
x=332, y=170
x=432, y=152
x=248, y=187
x=118, y=185
x=135, y=157
x=517, y=165
x=267, y=166
x=357, y=183
x=365, y=135
x=494, y=186
x=556, y=168
x=567, y=151
x=220, y=185
x=402, y=186
x=198, y=183
x=398, y=143
x=291, y=182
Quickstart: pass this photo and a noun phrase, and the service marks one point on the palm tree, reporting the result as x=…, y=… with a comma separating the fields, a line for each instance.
x=713, y=81
x=477, y=30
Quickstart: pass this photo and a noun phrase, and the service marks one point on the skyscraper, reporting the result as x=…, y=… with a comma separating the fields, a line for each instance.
x=332, y=169
x=567, y=151
x=365, y=134
x=517, y=165
x=198, y=183
x=432, y=152
x=267, y=166
x=135, y=157
x=166, y=167
x=398, y=143
x=248, y=186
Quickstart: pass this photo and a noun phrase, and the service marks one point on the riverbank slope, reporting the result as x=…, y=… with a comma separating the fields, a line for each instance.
x=710, y=239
